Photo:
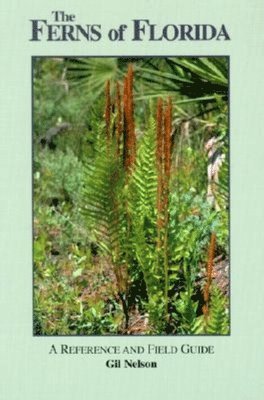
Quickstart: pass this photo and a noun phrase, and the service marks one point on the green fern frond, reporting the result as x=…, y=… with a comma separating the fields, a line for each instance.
x=218, y=321
x=222, y=187
x=142, y=205
x=102, y=199
x=187, y=310
x=144, y=180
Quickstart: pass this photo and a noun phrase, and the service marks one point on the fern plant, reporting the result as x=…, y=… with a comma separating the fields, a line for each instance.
x=102, y=200
x=104, y=208
x=217, y=323
x=143, y=198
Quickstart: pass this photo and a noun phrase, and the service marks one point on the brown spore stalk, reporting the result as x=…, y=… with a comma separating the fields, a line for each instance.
x=107, y=110
x=129, y=152
x=209, y=271
x=167, y=154
x=167, y=138
x=119, y=116
x=160, y=162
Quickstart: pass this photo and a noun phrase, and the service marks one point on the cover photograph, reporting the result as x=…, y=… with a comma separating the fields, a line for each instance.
x=131, y=190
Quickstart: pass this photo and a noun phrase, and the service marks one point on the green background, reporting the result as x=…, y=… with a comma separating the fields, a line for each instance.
x=236, y=369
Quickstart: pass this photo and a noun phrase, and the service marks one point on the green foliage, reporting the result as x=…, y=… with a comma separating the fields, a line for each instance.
x=57, y=175
x=187, y=313
x=57, y=311
x=102, y=201
x=218, y=316
x=144, y=181
x=199, y=79
x=213, y=70
x=90, y=74
x=191, y=221
x=143, y=189
x=52, y=102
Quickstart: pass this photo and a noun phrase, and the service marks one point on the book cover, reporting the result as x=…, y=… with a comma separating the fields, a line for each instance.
x=131, y=212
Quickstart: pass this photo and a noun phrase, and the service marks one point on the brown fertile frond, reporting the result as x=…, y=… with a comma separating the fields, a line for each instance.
x=159, y=157
x=167, y=138
x=130, y=78
x=209, y=271
x=125, y=124
x=132, y=136
x=159, y=125
x=205, y=310
x=119, y=115
x=129, y=124
x=211, y=257
x=107, y=110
